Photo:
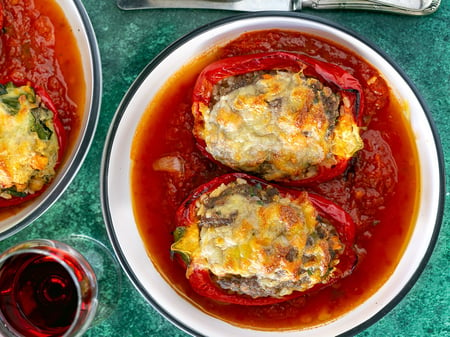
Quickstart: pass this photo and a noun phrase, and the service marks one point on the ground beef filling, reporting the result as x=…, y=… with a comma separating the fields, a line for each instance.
x=276, y=124
x=322, y=93
x=291, y=250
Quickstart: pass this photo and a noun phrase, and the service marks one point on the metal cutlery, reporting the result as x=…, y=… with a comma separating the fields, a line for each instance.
x=409, y=7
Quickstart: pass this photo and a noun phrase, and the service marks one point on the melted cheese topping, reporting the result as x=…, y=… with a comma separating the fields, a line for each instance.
x=26, y=161
x=282, y=125
x=274, y=242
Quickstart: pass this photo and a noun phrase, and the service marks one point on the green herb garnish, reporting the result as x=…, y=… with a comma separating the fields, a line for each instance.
x=38, y=125
x=3, y=89
x=13, y=192
x=9, y=97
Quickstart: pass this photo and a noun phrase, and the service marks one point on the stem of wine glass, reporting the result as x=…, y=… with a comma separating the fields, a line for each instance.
x=106, y=269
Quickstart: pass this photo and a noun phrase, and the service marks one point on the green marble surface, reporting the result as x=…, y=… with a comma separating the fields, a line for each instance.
x=128, y=40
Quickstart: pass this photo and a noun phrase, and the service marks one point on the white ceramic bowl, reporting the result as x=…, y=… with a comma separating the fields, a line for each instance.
x=116, y=198
x=90, y=58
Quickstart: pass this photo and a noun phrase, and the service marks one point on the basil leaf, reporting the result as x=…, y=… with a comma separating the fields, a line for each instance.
x=178, y=233
x=40, y=116
x=10, y=94
x=13, y=192
x=10, y=104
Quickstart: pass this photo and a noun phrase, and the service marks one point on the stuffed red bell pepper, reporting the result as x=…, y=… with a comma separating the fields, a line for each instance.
x=283, y=116
x=32, y=141
x=245, y=241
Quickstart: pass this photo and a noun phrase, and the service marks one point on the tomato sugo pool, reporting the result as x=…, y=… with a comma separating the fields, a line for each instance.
x=378, y=188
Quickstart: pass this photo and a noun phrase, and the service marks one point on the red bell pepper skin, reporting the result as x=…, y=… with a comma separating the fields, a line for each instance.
x=59, y=132
x=200, y=279
x=1, y=16
x=330, y=74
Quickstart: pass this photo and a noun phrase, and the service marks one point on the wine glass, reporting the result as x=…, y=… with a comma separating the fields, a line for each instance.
x=56, y=288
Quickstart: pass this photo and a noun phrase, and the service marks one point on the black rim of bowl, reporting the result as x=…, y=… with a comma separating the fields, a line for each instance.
x=91, y=124
x=186, y=38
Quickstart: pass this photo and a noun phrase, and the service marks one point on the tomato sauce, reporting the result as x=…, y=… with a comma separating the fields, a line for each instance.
x=379, y=190
x=37, y=44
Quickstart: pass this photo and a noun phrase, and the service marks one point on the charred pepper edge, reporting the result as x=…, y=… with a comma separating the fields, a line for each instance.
x=201, y=280
x=329, y=73
x=59, y=132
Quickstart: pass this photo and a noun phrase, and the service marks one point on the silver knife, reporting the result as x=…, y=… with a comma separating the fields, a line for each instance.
x=410, y=7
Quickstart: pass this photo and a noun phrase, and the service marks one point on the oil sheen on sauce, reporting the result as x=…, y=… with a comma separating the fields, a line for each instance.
x=380, y=191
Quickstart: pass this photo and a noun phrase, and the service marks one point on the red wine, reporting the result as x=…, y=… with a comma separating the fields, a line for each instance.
x=38, y=296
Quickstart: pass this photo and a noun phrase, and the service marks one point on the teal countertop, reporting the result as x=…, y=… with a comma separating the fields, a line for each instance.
x=128, y=40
